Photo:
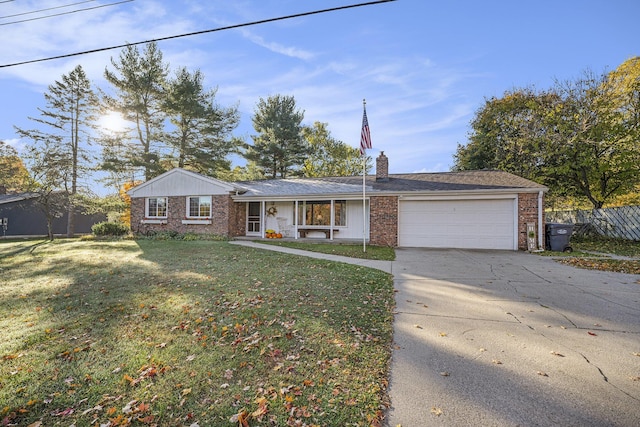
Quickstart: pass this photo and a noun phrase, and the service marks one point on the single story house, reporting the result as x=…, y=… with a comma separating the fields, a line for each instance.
x=470, y=209
x=21, y=216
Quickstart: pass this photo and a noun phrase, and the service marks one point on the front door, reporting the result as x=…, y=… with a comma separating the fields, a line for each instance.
x=253, y=218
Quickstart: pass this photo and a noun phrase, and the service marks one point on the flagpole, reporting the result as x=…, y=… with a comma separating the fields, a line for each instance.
x=364, y=200
x=364, y=204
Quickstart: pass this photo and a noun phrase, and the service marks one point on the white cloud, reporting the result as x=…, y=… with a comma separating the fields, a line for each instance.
x=278, y=48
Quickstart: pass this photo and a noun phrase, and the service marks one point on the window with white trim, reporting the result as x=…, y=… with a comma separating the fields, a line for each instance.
x=319, y=213
x=199, y=207
x=156, y=207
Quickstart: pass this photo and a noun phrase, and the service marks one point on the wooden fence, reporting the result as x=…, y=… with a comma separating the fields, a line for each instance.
x=621, y=223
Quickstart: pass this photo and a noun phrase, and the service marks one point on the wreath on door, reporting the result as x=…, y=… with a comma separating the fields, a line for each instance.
x=272, y=211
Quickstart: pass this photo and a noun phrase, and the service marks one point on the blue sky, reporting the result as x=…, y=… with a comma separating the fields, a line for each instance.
x=424, y=67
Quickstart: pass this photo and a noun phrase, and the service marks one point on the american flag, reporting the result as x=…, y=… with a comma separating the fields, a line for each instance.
x=365, y=136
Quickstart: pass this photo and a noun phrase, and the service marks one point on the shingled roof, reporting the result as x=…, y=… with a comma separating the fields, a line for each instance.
x=480, y=180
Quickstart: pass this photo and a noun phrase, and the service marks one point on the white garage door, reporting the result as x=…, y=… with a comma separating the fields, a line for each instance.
x=469, y=224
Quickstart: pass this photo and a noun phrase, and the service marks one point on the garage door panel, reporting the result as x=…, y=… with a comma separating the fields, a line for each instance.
x=477, y=224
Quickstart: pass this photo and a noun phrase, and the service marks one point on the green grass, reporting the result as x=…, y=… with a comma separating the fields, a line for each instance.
x=349, y=250
x=13, y=246
x=622, y=247
x=595, y=254
x=176, y=333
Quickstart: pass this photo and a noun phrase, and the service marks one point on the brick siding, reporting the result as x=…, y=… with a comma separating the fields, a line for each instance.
x=527, y=213
x=383, y=223
x=238, y=215
x=223, y=217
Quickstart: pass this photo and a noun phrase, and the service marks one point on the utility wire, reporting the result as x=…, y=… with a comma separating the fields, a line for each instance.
x=66, y=13
x=44, y=10
x=230, y=27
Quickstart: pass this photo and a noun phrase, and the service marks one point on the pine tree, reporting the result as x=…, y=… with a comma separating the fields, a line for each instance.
x=138, y=80
x=279, y=148
x=201, y=135
x=67, y=122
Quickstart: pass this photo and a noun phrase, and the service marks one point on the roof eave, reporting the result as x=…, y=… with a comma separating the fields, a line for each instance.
x=370, y=192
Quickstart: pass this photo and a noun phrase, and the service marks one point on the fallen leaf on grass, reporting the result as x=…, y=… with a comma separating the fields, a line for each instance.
x=417, y=326
x=557, y=354
x=542, y=374
x=592, y=334
x=262, y=408
x=443, y=334
x=496, y=361
x=95, y=408
x=444, y=374
x=63, y=412
x=436, y=411
x=240, y=418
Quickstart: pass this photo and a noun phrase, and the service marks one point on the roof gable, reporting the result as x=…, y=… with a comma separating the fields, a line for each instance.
x=181, y=182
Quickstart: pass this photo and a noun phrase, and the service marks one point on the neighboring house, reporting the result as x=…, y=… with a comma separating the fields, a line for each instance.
x=21, y=216
x=470, y=209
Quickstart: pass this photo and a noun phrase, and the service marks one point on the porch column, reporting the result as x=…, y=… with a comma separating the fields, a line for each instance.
x=332, y=219
x=263, y=219
x=295, y=221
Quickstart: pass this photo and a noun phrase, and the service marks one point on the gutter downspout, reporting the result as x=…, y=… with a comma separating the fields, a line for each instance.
x=540, y=220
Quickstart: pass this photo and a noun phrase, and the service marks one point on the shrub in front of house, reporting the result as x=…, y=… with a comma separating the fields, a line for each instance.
x=106, y=228
x=174, y=235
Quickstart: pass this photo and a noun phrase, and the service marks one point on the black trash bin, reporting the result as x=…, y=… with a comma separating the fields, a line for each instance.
x=558, y=237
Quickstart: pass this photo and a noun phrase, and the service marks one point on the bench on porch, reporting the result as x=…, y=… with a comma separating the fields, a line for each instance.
x=327, y=231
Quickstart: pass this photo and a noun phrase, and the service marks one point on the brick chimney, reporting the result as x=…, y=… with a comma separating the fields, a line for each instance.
x=382, y=168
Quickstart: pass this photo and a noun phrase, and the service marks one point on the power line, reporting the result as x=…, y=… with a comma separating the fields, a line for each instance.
x=230, y=27
x=44, y=10
x=64, y=13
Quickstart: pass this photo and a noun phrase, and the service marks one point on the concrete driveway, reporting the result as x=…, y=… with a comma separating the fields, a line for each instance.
x=492, y=338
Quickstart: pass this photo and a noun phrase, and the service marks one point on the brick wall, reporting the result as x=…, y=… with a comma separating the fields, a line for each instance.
x=527, y=213
x=238, y=217
x=223, y=217
x=383, y=228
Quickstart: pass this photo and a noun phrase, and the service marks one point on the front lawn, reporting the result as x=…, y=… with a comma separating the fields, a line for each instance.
x=189, y=333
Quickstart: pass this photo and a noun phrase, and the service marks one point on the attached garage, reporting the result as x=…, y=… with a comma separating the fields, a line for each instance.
x=479, y=223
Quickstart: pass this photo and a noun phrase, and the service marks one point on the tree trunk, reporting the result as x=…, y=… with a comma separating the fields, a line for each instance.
x=71, y=219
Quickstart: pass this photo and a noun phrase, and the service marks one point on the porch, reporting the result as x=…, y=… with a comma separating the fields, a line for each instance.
x=307, y=220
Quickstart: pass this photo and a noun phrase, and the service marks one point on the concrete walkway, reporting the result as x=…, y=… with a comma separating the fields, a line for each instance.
x=379, y=265
x=497, y=338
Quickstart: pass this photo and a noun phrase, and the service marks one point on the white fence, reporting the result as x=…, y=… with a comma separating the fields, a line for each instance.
x=621, y=223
